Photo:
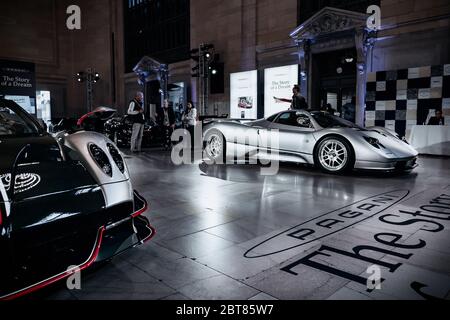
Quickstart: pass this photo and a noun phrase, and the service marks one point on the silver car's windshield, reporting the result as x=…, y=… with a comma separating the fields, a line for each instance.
x=326, y=120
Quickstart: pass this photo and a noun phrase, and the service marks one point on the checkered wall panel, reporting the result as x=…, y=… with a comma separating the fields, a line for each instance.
x=402, y=98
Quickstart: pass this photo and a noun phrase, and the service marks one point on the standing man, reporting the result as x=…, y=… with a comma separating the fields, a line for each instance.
x=298, y=102
x=166, y=119
x=136, y=114
x=349, y=110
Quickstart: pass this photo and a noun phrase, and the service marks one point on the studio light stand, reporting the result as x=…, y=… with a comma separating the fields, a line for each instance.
x=204, y=56
x=90, y=77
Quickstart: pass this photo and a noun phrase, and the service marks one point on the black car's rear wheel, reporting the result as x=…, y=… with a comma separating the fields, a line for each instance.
x=334, y=155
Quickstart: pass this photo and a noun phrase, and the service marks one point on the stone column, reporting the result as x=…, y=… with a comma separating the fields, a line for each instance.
x=248, y=35
x=304, y=61
x=361, y=76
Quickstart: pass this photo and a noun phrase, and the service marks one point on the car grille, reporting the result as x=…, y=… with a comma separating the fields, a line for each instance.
x=406, y=164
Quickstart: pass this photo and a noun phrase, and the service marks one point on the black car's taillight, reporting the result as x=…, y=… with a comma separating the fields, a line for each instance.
x=101, y=159
x=116, y=157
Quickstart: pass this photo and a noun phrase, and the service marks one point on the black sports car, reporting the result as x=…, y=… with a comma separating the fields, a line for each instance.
x=119, y=130
x=66, y=202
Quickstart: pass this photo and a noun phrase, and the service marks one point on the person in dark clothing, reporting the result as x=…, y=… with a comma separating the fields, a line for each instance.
x=136, y=114
x=349, y=110
x=298, y=102
x=437, y=120
x=166, y=119
x=328, y=108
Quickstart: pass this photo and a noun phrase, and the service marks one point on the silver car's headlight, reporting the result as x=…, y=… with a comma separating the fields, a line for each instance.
x=101, y=159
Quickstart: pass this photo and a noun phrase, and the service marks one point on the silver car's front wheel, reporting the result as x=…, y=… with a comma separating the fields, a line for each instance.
x=334, y=155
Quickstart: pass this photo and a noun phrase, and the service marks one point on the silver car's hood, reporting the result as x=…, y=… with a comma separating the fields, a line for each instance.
x=397, y=147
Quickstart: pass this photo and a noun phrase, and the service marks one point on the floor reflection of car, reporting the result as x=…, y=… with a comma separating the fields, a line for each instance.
x=318, y=138
x=120, y=129
x=66, y=202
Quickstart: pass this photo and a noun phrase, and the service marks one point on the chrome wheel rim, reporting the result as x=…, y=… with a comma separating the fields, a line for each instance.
x=214, y=146
x=333, y=155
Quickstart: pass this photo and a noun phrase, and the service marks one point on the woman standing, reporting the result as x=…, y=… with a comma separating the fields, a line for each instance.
x=190, y=120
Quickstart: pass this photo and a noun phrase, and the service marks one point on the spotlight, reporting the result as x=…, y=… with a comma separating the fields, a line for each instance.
x=96, y=77
x=214, y=72
x=80, y=76
x=348, y=58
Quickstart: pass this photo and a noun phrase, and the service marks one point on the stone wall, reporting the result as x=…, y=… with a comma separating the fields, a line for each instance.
x=245, y=33
x=242, y=31
x=35, y=31
x=415, y=33
x=248, y=34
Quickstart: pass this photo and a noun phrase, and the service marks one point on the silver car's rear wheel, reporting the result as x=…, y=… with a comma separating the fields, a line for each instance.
x=334, y=155
x=215, y=146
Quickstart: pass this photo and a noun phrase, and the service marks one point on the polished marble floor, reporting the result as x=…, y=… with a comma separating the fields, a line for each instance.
x=212, y=221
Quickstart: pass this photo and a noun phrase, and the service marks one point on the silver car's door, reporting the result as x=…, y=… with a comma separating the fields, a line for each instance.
x=261, y=128
x=295, y=133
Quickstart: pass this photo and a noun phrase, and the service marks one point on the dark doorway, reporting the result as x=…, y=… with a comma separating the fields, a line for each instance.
x=153, y=96
x=333, y=78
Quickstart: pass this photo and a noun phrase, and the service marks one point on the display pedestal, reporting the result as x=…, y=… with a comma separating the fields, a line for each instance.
x=433, y=140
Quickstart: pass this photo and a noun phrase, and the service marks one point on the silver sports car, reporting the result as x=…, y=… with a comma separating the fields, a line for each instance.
x=317, y=138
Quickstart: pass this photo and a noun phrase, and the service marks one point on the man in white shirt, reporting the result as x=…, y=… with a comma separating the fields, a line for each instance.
x=136, y=114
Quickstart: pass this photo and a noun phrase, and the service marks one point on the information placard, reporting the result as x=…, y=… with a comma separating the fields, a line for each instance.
x=244, y=95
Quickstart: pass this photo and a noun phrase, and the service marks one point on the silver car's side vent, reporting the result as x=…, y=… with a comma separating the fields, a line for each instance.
x=101, y=159
x=116, y=157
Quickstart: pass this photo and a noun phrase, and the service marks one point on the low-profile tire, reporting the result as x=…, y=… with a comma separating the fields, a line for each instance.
x=215, y=146
x=334, y=155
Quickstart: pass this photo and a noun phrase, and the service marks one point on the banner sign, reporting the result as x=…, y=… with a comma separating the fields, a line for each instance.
x=278, y=84
x=18, y=83
x=244, y=95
